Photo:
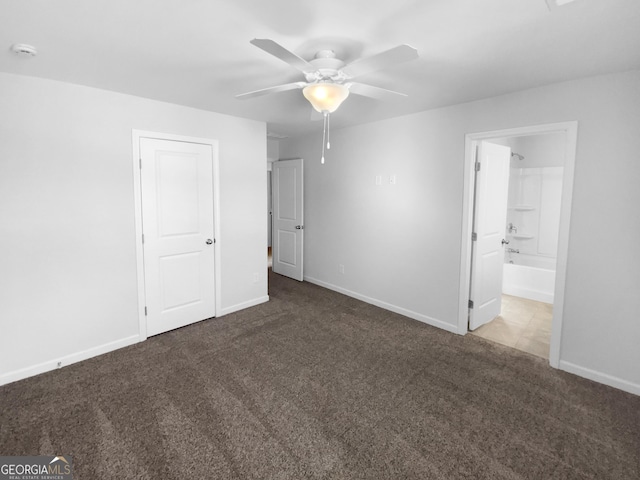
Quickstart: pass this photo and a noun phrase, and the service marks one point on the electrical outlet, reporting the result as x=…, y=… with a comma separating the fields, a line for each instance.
x=392, y=180
x=341, y=269
x=256, y=277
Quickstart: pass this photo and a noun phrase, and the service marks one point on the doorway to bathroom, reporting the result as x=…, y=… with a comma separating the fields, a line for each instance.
x=518, y=186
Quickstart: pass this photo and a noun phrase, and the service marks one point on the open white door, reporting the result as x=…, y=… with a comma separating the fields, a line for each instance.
x=178, y=227
x=288, y=216
x=492, y=187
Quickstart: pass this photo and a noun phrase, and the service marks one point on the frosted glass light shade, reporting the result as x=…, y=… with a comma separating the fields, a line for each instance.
x=325, y=97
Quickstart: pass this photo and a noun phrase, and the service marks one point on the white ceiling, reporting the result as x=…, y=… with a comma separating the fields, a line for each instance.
x=197, y=52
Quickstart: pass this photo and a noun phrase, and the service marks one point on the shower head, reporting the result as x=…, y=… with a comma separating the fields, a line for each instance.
x=520, y=157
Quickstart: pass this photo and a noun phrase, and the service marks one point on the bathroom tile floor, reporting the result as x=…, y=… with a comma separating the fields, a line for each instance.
x=522, y=324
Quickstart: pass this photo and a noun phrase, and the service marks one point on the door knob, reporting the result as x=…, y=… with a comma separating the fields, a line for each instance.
x=505, y=242
x=209, y=241
x=299, y=227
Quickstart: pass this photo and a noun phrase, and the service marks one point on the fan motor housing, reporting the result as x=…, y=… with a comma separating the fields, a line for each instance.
x=328, y=67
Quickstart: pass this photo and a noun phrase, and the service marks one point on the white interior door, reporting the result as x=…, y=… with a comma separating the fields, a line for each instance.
x=492, y=188
x=288, y=216
x=178, y=227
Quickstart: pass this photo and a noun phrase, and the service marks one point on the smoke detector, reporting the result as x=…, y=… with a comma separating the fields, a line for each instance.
x=24, y=50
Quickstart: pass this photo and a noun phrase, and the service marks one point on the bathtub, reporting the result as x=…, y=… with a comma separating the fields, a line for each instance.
x=530, y=276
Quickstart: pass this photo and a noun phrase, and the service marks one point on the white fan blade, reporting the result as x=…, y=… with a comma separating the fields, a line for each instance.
x=373, y=92
x=390, y=58
x=283, y=54
x=276, y=89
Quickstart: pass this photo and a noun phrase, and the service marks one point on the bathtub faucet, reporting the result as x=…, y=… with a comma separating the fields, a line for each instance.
x=513, y=250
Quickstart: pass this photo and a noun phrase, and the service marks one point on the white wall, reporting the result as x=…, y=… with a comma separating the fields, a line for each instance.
x=542, y=150
x=273, y=150
x=400, y=244
x=539, y=150
x=67, y=236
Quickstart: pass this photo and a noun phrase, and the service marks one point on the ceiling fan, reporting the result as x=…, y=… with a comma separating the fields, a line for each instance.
x=325, y=69
x=328, y=80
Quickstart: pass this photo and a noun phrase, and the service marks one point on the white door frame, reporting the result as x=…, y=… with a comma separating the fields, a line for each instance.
x=137, y=192
x=570, y=130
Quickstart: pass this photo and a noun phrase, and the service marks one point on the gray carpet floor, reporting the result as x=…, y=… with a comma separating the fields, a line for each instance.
x=317, y=385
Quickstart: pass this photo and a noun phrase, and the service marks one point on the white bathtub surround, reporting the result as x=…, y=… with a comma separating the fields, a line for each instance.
x=527, y=260
x=529, y=282
x=534, y=210
x=533, y=220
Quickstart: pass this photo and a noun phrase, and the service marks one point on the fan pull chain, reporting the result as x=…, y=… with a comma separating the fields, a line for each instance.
x=328, y=131
x=325, y=116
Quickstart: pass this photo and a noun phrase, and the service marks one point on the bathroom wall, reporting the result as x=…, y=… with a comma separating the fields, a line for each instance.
x=539, y=150
x=535, y=189
x=536, y=183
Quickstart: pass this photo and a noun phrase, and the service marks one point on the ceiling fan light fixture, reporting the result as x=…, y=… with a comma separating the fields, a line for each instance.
x=325, y=76
x=325, y=97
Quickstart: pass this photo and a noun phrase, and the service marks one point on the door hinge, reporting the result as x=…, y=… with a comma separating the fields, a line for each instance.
x=470, y=303
x=477, y=166
x=143, y=238
x=145, y=311
x=474, y=237
x=140, y=163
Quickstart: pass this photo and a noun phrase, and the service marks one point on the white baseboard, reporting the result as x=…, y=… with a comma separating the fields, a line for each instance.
x=243, y=305
x=600, y=377
x=66, y=360
x=387, y=306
